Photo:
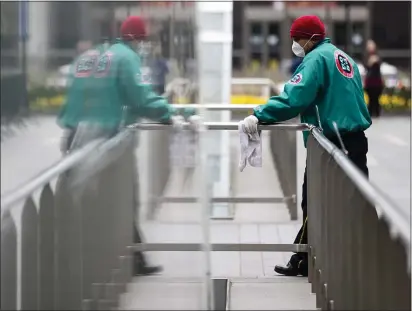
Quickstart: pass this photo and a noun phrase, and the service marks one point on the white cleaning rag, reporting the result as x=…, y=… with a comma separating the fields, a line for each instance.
x=250, y=148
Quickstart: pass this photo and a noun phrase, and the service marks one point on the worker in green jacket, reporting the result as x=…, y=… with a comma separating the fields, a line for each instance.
x=108, y=88
x=72, y=107
x=108, y=91
x=326, y=89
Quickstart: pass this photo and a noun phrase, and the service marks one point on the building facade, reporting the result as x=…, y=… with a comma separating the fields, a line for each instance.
x=260, y=28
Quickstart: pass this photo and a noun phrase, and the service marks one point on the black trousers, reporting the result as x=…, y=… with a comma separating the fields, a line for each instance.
x=374, y=92
x=357, y=146
x=139, y=258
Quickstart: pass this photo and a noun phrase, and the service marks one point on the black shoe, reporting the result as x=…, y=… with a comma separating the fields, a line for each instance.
x=289, y=270
x=147, y=270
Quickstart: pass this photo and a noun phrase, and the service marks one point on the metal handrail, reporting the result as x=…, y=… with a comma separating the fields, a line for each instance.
x=384, y=208
x=225, y=126
x=22, y=192
x=390, y=211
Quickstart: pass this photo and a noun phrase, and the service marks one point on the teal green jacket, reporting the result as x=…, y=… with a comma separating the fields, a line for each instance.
x=327, y=81
x=108, y=88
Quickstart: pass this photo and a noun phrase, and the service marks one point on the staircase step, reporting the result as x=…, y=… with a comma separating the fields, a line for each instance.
x=283, y=295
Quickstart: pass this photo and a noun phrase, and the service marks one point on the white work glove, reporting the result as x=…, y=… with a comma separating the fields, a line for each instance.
x=250, y=125
x=177, y=122
x=195, y=122
x=64, y=141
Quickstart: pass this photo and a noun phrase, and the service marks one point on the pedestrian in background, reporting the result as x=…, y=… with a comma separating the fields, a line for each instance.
x=373, y=83
x=326, y=89
x=159, y=69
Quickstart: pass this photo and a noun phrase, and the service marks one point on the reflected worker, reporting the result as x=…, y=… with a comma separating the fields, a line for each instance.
x=326, y=88
x=108, y=92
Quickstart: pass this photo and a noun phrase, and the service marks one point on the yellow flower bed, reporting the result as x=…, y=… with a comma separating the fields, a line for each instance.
x=385, y=100
x=44, y=103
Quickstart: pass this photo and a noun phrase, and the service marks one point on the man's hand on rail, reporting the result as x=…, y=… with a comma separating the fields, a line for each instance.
x=177, y=122
x=195, y=122
x=250, y=124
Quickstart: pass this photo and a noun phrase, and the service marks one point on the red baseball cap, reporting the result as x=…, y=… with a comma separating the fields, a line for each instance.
x=133, y=28
x=306, y=27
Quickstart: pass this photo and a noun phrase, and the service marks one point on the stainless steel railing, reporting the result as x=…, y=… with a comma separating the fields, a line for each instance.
x=71, y=249
x=68, y=248
x=283, y=149
x=359, y=242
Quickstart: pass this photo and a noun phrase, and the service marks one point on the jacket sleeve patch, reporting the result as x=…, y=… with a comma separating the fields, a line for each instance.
x=296, y=79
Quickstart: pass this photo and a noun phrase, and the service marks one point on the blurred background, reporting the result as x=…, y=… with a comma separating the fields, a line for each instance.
x=39, y=40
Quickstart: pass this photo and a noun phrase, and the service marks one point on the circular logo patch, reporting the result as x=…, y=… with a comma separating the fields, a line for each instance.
x=343, y=64
x=296, y=79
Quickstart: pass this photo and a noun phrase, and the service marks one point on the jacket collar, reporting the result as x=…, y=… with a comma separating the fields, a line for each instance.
x=326, y=40
x=125, y=43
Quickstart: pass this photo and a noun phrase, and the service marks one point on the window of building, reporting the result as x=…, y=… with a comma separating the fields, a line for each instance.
x=273, y=41
x=236, y=63
x=256, y=42
x=67, y=32
x=358, y=39
x=237, y=25
x=104, y=29
x=259, y=3
x=389, y=33
x=339, y=31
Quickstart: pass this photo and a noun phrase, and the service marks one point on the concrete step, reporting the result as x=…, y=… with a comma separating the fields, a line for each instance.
x=274, y=293
x=278, y=293
x=162, y=295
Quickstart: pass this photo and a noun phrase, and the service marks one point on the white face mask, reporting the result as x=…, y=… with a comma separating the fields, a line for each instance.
x=298, y=50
